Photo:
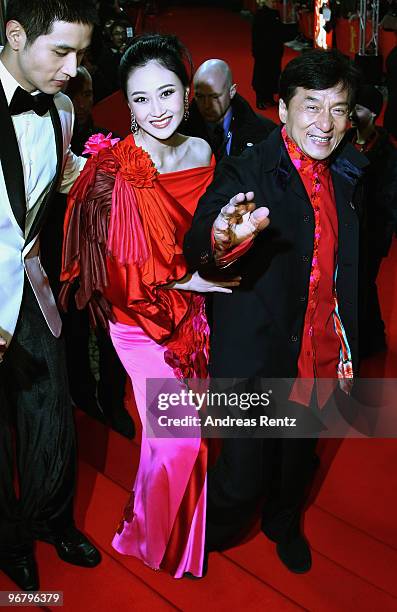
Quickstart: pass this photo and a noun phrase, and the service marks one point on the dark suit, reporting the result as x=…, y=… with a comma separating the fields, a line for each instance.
x=257, y=330
x=246, y=126
x=268, y=35
x=379, y=226
x=36, y=422
x=390, y=120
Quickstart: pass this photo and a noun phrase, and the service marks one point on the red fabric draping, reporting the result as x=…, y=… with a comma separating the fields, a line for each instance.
x=122, y=183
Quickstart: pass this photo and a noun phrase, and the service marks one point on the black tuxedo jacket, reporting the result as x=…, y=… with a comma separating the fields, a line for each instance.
x=257, y=330
x=13, y=172
x=20, y=248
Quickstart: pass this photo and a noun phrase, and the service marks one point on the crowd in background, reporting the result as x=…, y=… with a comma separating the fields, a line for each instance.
x=110, y=40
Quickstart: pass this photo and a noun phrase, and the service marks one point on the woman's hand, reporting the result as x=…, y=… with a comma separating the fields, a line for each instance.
x=195, y=282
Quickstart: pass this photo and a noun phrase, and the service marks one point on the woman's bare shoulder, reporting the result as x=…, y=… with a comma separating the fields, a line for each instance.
x=199, y=151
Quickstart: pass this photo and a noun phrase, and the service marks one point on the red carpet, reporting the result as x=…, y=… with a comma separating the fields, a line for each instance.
x=351, y=523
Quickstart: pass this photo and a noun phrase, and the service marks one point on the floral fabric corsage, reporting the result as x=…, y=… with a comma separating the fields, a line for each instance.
x=136, y=166
x=99, y=142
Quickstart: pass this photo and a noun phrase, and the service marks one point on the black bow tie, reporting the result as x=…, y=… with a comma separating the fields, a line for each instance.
x=23, y=101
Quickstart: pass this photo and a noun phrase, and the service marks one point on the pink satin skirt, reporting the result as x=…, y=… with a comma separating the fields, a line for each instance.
x=164, y=520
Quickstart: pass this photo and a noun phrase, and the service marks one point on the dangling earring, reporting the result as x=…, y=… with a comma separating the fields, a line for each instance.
x=134, y=124
x=186, y=106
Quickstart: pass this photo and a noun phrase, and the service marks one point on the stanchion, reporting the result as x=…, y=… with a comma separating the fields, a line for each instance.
x=368, y=58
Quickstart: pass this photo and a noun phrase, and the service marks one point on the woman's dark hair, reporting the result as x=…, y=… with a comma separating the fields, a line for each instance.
x=37, y=17
x=165, y=49
x=319, y=70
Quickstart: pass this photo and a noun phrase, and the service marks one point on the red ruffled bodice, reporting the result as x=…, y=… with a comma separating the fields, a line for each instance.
x=123, y=238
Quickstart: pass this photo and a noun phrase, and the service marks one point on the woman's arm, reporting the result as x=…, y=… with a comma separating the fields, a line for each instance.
x=195, y=282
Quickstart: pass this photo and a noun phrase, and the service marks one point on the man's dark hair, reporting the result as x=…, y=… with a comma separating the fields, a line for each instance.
x=318, y=69
x=165, y=49
x=38, y=16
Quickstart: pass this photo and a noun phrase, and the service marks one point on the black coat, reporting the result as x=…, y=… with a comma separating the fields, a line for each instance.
x=381, y=194
x=390, y=118
x=268, y=33
x=246, y=126
x=257, y=330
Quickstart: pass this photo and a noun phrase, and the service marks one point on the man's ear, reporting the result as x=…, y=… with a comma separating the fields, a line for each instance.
x=282, y=111
x=233, y=90
x=16, y=35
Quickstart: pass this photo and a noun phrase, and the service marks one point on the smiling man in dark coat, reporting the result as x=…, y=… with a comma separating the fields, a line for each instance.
x=294, y=315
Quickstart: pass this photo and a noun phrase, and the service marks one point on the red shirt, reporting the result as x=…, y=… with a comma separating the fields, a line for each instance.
x=320, y=349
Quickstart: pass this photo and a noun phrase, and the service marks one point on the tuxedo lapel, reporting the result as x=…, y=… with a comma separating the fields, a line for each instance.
x=37, y=278
x=43, y=211
x=11, y=163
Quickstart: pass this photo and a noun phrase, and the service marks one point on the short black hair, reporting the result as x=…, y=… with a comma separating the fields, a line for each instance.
x=38, y=16
x=165, y=49
x=319, y=69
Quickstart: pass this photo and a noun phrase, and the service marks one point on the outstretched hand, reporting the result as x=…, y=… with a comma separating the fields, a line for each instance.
x=238, y=221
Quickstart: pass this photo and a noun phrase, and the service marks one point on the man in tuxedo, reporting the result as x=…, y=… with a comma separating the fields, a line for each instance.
x=45, y=44
x=294, y=315
x=219, y=115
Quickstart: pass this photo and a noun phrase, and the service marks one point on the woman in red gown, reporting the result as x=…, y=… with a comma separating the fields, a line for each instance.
x=126, y=220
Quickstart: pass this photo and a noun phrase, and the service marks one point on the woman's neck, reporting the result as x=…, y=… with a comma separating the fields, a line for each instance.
x=159, y=150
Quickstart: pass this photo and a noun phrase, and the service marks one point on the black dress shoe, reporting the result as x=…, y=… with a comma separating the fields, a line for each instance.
x=73, y=547
x=22, y=570
x=295, y=554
